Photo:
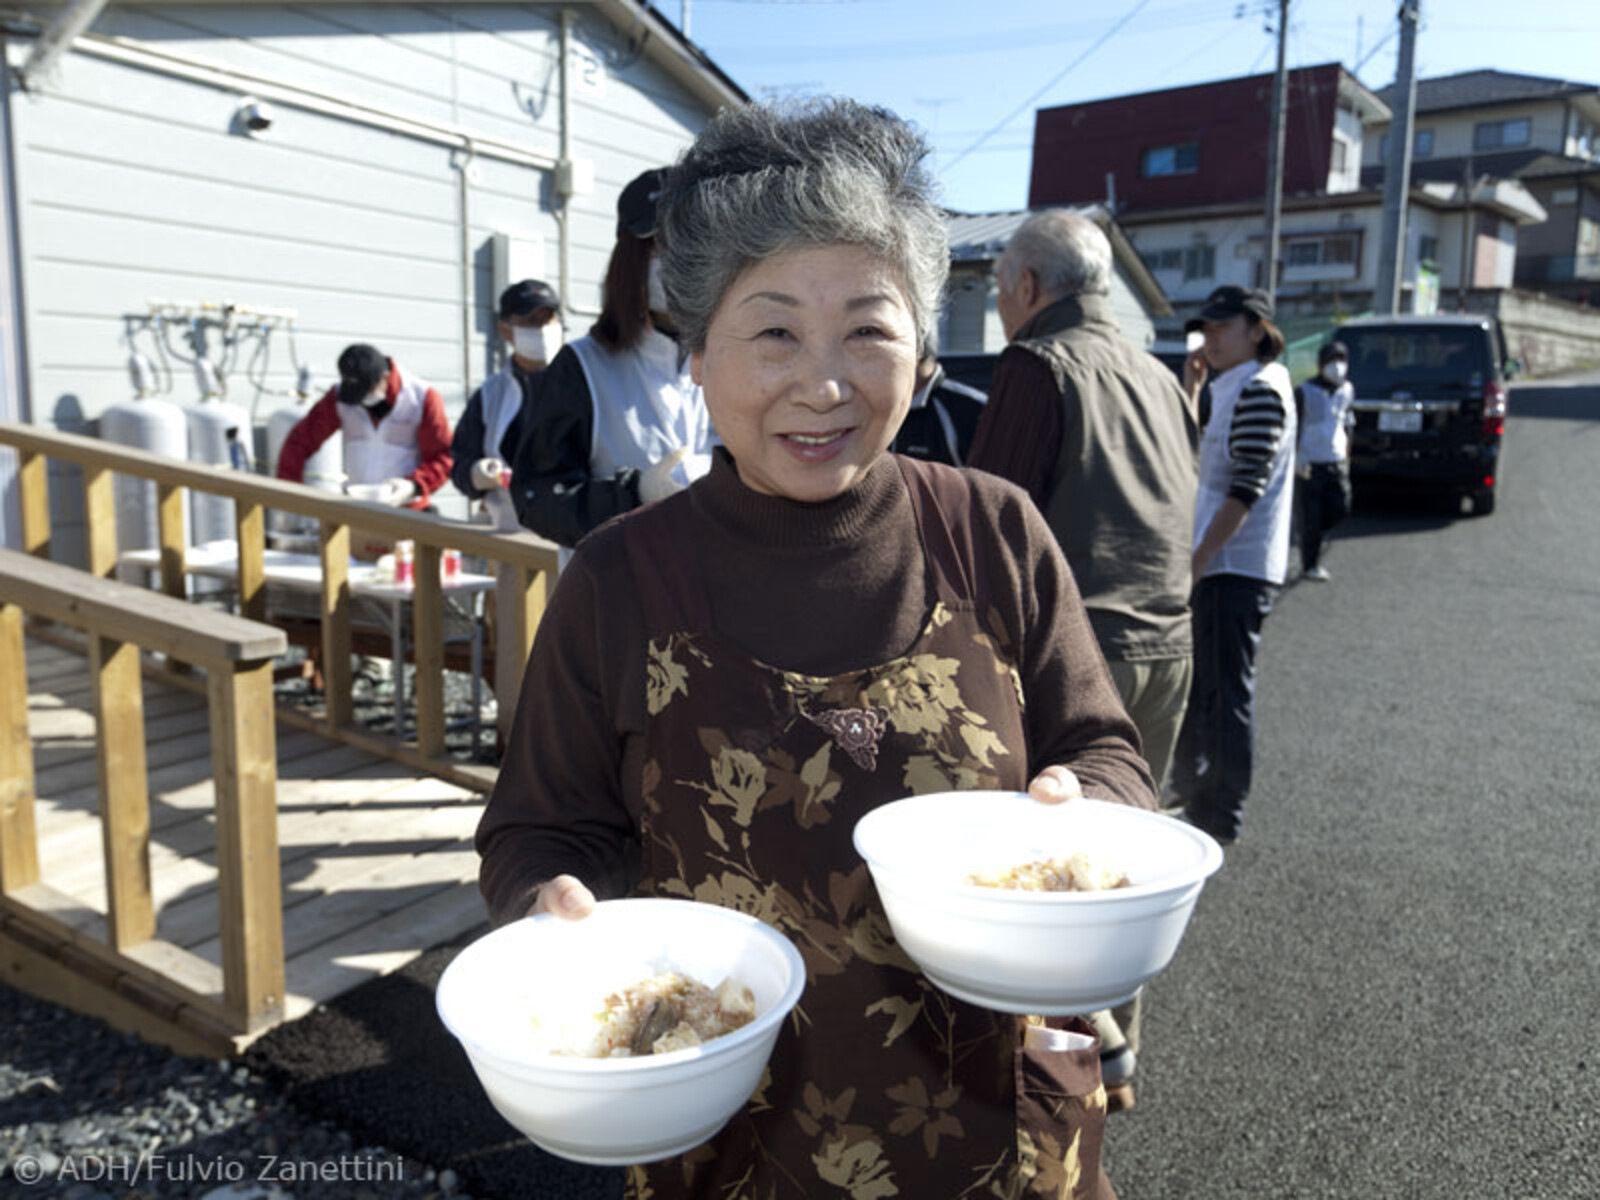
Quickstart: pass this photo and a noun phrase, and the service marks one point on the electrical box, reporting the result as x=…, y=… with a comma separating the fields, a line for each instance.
x=517, y=256
x=575, y=177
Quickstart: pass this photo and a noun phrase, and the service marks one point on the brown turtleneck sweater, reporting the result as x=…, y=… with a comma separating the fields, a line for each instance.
x=818, y=588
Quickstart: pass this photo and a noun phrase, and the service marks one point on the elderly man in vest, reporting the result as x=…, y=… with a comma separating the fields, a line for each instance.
x=396, y=437
x=1100, y=434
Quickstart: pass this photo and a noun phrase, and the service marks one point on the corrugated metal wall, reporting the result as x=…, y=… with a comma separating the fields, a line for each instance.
x=132, y=185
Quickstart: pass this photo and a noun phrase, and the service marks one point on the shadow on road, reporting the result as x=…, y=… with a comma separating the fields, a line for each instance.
x=1381, y=512
x=1562, y=403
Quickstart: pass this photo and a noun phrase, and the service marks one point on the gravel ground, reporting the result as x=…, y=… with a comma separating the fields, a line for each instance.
x=87, y=1113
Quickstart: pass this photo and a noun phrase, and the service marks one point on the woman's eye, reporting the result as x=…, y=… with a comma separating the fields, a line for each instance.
x=774, y=332
x=870, y=331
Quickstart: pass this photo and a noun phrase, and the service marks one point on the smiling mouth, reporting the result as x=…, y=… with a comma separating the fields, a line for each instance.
x=815, y=439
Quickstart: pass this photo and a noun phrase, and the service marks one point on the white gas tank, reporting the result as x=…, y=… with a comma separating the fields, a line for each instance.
x=142, y=423
x=219, y=435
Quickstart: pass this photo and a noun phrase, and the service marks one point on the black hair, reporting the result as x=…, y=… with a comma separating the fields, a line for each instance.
x=625, y=294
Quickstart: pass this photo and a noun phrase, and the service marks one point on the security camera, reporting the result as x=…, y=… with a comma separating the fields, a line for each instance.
x=255, y=116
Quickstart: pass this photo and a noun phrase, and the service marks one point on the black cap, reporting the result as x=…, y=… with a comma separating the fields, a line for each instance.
x=527, y=296
x=361, y=368
x=1230, y=300
x=1332, y=351
x=636, y=207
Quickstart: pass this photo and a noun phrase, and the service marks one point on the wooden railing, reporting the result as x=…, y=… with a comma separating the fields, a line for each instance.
x=119, y=621
x=532, y=561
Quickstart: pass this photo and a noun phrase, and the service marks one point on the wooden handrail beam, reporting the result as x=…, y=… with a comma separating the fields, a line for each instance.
x=155, y=622
x=521, y=549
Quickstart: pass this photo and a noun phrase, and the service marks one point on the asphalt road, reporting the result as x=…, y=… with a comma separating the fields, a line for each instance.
x=1392, y=988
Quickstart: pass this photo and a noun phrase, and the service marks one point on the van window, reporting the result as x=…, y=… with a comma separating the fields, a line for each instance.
x=1438, y=360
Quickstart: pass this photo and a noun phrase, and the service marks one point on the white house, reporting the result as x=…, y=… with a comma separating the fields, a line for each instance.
x=378, y=170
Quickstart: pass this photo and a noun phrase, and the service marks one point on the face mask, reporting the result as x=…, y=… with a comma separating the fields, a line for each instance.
x=655, y=289
x=1335, y=371
x=539, y=344
x=375, y=397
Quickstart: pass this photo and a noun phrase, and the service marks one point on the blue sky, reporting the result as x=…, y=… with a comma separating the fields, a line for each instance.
x=972, y=72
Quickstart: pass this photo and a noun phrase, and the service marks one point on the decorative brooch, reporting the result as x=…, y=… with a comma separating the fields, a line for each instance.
x=856, y=731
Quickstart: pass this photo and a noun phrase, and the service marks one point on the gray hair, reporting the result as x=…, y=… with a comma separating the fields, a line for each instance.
x=763, y=179
x=1068, y=254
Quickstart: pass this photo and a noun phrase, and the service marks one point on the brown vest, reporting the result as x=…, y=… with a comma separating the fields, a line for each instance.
x=1122, y=493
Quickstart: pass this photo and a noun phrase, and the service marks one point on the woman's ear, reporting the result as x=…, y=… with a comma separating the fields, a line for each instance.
x=696, y=365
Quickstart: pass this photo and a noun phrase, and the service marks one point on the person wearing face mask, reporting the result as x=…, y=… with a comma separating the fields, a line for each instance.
x=491, y=425
x=617, y=421
x=1322, y=493
x=396, y=436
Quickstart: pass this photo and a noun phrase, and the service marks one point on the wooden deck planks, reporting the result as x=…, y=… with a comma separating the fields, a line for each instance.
x=376, y=862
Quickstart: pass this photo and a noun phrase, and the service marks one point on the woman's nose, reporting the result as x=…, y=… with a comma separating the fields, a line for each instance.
x=827, y=384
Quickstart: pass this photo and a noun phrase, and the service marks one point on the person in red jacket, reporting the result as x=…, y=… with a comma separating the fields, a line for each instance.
x=396, y=436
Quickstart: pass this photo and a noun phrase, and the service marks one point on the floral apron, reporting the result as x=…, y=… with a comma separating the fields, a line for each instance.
x=880, y=1084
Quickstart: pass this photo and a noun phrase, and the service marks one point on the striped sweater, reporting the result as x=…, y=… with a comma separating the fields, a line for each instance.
x=1256, y=434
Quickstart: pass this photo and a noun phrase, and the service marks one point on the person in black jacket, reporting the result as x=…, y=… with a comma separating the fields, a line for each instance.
x=944, y=415
x=491, y=426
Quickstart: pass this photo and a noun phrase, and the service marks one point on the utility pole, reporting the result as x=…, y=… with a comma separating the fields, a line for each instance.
x=1397, y=168
x=1280, y=89
x=683, y=19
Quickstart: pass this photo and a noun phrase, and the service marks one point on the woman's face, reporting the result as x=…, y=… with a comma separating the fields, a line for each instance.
x=1231, y=342
x=808, y=369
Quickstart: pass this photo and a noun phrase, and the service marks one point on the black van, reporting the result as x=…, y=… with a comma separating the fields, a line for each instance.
x=1430, y=402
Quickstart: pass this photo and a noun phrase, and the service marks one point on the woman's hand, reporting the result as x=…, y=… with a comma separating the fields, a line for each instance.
x=1055, y=785
x=564, y=896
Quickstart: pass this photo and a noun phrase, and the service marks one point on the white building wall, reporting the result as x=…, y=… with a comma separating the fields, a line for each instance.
x=1347, y=129
x=1453, y=131
x=132, y=187
x=1239, y=241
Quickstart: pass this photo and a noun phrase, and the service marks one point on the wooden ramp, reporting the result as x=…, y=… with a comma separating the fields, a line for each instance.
x=376, y=858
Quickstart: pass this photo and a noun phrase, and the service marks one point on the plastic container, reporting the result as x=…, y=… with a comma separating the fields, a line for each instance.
x=616, y=1111
x=405, y=563
x=1054, y=953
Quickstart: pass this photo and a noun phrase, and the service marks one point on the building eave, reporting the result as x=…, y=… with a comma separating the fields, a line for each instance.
x=645, y=27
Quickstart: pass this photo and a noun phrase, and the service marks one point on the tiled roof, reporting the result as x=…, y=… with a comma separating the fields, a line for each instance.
x=1471, y=89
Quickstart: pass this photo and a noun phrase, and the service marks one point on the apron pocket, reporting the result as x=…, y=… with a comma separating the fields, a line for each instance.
x=1061, y=1111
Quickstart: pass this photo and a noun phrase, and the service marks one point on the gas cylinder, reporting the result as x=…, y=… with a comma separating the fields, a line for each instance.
x=144, y=422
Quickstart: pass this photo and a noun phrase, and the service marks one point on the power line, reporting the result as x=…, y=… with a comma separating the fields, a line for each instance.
x=1067, y=70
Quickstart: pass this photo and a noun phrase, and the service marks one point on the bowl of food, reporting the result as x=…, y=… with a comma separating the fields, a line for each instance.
x=628, y=1036
x=1026, y=907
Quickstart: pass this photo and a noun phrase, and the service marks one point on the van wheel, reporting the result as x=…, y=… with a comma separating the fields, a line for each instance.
x=1483, y=502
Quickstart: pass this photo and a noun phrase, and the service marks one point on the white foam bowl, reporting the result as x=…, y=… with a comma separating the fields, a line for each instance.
x=526, y=982
x=1053, y=953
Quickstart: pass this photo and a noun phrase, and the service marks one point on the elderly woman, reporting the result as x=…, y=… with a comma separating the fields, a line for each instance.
x=726, y=681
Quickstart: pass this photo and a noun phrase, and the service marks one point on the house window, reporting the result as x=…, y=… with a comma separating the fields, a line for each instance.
x=1341, y=155
x=1564, y=196
x=1421, y=144
x=1322, y=250
x=1200, y=261
x=1493, y=135
x=1163, y=260
x=1428, y=249
x=1180, y=159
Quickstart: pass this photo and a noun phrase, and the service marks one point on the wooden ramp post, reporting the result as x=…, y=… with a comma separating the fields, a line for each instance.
x=19, y=840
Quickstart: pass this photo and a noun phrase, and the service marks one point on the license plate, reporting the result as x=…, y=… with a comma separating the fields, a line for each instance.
x=1399, y=422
